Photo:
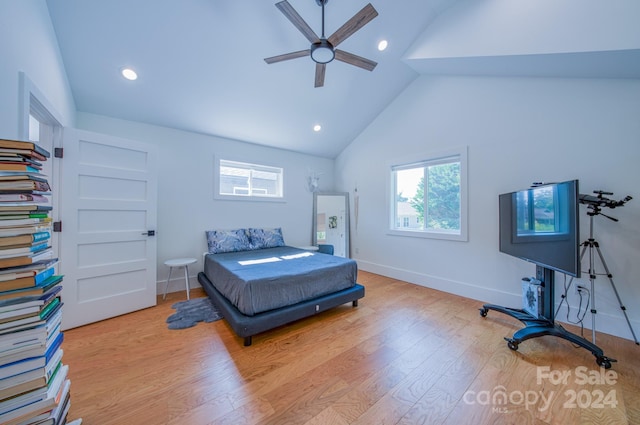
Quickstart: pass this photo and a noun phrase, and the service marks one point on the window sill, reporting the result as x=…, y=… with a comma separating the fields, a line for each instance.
x=429, y=235
x=248, y=198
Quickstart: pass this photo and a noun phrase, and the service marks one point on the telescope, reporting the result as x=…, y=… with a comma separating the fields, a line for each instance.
x=595, y=203
x=594, y=206
x=601, y=201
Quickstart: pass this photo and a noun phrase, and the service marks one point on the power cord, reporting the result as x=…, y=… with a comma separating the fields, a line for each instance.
x=580, y=315
x=586, y=307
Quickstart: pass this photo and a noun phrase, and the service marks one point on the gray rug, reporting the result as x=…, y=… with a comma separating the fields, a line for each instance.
x=189, y=313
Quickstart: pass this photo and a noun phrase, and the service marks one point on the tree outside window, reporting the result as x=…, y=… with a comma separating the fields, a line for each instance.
x=443, y=197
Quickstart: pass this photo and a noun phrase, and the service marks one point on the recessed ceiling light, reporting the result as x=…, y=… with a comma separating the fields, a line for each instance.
x=129, y=74
x=382, y=45
x=317, y=127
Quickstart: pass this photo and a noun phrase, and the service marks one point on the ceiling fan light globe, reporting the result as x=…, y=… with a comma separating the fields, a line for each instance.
x=322, y=52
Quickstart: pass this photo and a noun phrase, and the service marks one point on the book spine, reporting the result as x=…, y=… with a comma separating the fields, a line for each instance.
x=43, y=275
x=44, y=314
x=39, y=247
x=41, y=236
x=50, y=281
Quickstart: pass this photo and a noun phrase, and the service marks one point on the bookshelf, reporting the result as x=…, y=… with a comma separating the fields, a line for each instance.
x=34, y=383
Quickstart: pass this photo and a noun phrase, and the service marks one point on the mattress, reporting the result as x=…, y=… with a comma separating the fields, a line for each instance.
x=261, y=280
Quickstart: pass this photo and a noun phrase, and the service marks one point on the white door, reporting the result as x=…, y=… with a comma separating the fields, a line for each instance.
x=107, y=208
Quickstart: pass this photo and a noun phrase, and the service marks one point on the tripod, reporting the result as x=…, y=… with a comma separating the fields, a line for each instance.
x=592, y=245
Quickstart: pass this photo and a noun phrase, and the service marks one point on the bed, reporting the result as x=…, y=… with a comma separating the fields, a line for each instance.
x=259, y=283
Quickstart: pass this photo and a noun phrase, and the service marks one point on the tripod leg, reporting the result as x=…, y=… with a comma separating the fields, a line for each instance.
x=622, y=307
x=592, y=277
x=594, y=311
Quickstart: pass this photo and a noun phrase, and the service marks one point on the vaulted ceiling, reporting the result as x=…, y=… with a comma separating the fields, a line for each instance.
x=201, y=65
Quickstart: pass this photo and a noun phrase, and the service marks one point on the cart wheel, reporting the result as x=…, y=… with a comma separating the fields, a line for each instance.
x=603, y=362
x=483, y=312
x=512, y=345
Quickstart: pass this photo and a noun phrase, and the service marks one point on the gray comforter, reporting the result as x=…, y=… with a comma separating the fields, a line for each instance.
x=265, y=279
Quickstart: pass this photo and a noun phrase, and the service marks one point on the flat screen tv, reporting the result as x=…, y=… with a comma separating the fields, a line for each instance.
x=541, y=225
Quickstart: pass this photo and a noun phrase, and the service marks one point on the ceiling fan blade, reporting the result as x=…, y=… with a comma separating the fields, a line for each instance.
x=288, y=56
x=291, y=14
x=320, y=69
x=358, y=21
x=355, y=60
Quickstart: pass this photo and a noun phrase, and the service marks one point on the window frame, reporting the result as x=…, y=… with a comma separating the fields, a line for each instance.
x=33, y=103
x=429, y=158
x=239, y=197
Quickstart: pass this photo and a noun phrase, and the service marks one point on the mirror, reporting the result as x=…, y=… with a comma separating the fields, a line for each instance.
x=331, y=221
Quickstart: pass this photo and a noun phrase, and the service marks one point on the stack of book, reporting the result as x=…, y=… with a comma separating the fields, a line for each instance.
x=34, y=387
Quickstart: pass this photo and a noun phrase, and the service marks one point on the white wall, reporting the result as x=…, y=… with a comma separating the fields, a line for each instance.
x=28, y=44
x=186, y=207
x=519, y=130
x=507, y=27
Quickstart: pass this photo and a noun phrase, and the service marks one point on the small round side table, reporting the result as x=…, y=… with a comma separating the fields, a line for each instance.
x=178, y=262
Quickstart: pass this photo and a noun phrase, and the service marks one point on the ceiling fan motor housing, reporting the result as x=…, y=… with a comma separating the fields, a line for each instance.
x=322, y=51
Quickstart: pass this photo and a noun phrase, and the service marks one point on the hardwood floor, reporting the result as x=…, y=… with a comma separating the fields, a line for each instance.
x=406, y=355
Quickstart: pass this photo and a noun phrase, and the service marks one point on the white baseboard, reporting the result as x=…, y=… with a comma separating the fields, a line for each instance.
x=176, y=284
x=605, y=322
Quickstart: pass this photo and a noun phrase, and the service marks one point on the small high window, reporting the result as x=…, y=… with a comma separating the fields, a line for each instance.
x=246, y=180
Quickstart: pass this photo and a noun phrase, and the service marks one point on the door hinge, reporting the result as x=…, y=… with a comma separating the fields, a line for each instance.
x=57, y=226
x=58, y=152
x=150, y=233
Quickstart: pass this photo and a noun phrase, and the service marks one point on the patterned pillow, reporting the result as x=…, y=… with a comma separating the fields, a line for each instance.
x=220, y=241
x=266, y=238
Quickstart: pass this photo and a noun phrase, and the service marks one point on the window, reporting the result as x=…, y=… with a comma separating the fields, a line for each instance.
x=428, y=194
x=244, y=180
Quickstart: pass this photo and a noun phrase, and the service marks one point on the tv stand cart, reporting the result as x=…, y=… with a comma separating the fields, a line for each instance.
x=545, y=323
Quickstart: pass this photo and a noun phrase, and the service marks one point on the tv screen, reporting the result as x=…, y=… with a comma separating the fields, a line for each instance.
x=541, y=225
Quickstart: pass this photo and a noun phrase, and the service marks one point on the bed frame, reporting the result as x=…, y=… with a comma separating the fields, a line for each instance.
x=247, y=326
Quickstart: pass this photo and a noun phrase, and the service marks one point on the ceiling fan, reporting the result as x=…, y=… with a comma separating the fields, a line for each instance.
x=323, y=50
